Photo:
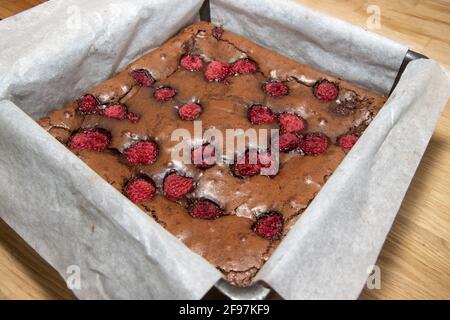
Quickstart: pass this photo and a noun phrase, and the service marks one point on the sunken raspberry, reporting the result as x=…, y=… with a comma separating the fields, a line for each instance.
x=142, y=77
x=116, y=111
x=291, y=123
x=246, y=169
x=275, y=89
x=204, y=157
x=217, y=71
x=205, y=209
x=133, y=117
x=191, y=62
x=267, y=163
x=88, y=104
x=176, y=186
x=139, y=190
x=190, y=111
x=244, y=66
x=218, y=32
x=164, y=93
x=269, y=225
x=325, y=90
x=142, y=152
x=314, y=144
x=288, y=142
x=258, y=114
x=347, y=141
x=89, y=139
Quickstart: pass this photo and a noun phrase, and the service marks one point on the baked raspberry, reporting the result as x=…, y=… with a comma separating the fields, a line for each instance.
x=143, y=152
x=218, y=32
x=191, y=62
x=164, y=93
x=275, y=89
x=140, y=189
x=325, y=90
x=88, y=104
x=204, y=157
x=205, y=209
x=116, y=111
x=142, y=77
x=269, y=225
x=246, y=169
x=176, y=186
x=89, y=139
x=244, y=66
x=217, y=71
x=133, y=117
x=258, y=114
x=190, y=111
x=267, y=163
x=291, y=123
x=347, y=141
x=288, y=142
x=314, y=144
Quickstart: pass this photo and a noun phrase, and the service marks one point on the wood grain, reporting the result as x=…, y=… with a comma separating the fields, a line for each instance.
x=415, y=260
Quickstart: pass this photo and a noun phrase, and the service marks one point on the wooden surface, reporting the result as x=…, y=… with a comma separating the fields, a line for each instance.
x=415, y=260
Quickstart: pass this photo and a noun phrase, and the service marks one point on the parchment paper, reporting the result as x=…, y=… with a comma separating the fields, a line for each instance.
x=72, y=217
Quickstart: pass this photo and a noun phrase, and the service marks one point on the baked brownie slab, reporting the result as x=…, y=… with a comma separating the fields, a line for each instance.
x=229, y=214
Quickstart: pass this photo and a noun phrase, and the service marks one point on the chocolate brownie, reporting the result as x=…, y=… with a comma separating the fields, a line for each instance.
x=229, y=213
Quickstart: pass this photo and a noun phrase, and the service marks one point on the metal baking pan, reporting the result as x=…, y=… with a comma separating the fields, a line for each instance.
x=258, y=291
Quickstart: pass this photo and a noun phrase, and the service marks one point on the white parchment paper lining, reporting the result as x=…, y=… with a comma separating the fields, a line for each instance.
x=53, y=53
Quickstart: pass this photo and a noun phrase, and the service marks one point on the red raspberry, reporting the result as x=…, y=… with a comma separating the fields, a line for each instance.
x=164, y=93
x=217, y=71
x=266, y=160
x=87, y=104
x=314, y=144
x=205, y=209
x=291, y=123
x=139, y=190
x=133, y=117
x=269, y=225
x=347, y=141
x=116, y=111
x=176, y=186
x=204, y=157
x=190, y=111
x=142, y=152
x=89, y=139
x=244, y=66
x=275, y=89
x=288, y=142
x=142, y=77
x=258, y=114
x=246, y=169
x=325, y=90
x=218, y=32
x=191, y=62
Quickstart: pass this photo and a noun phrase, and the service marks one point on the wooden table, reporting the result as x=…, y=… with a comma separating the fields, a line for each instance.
x=415, y=260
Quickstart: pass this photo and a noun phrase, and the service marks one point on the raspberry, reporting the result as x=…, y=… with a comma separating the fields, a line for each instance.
x=87, y=104
x=246, y=169
x=314, y=144
x=89, y=139
x=244, y=66
x=266, y=161
x=291, y=123
x=142, y=152
x=288, y=142
x=190, y=111
x=275, y=89
x=116, y=111
x=139, y=190
x=325, y=90
x=218, y=32
x=258, y=114
x=164, y=93
x=269, y=225
x=204, y=157
x=347, y=141
x=205, y=209
x=191, y=62
x=217, y=71
x=142, y=77
x=176, y=186
x=133, y=117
